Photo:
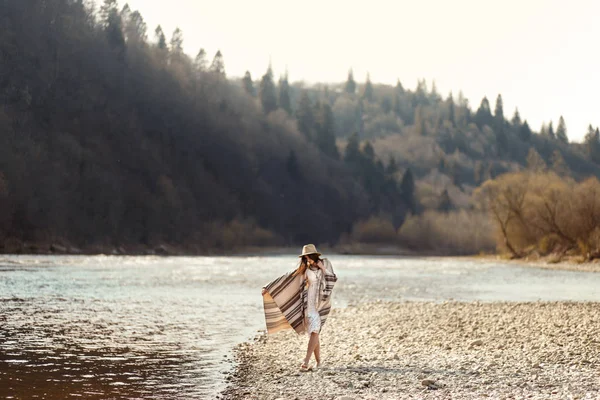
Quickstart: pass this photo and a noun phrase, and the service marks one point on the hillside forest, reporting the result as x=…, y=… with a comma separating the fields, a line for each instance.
x=114, y=139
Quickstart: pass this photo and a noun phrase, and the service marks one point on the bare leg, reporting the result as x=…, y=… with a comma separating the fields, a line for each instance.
x=318, y=350
x=312, y=344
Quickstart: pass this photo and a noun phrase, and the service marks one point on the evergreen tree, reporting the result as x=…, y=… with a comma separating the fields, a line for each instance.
x=483, y=116
x=161, y=40
x=200, y=62
x=407, y=189
x=350, y=83
x=110, y=18
x=420, y=127
x=368, y=151
x=561, y=131
x=434, y=95
x=325, y=132
x=592, y=144
x=525, y=132
x=499, y=111
x=550, y=131
x=304, y=116
x=516, y=120
x=392, y=167
x=248, y=84
x=368, y=93
x=386, y=104
x=267, y=93
x=399, y=88
x=457, y=175
x=218, y=64
x=451, y=112
x=352, y=154
x=535, y=162
x=284, y=94
x=107, y=10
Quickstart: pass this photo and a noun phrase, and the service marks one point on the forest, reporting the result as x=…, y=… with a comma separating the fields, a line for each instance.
x=114, y=139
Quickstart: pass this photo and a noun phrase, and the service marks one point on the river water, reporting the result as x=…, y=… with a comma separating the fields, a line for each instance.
x=164, y=327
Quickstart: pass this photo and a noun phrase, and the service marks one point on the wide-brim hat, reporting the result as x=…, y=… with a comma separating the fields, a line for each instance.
x=309, y=249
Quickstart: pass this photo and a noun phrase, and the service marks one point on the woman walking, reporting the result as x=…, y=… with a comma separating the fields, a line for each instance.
x=301, y=300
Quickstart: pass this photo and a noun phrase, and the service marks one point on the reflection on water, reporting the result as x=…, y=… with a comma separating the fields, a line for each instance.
x=147, y=327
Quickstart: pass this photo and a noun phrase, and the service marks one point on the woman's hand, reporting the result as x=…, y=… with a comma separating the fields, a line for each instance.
x=264, y=291
x=321, y=265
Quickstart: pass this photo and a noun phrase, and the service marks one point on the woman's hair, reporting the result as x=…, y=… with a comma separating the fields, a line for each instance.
x=304, y=263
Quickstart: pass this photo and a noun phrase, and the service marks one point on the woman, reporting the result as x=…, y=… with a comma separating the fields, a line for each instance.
x=301, y=300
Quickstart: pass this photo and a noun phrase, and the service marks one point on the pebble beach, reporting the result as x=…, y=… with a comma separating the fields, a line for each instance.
x=426, y=350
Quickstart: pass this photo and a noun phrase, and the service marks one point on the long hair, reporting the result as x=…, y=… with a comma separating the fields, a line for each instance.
x=303, y=264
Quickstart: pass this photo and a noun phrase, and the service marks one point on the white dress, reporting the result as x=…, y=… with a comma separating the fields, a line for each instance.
x=314, y=319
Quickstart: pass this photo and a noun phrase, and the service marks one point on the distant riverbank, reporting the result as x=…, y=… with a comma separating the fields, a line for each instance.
x=568, y=263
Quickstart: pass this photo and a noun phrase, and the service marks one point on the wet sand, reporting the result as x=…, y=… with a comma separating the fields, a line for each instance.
x=432, y=350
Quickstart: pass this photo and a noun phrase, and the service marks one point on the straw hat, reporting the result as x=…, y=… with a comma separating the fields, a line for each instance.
x=309, y=249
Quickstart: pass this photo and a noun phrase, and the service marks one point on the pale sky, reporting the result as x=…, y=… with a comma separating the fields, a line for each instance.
x=542, y=56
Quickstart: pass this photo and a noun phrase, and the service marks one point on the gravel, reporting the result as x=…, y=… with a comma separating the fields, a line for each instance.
x=432, y=350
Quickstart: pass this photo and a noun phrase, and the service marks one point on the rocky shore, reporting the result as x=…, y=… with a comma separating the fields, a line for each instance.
x=432, y=351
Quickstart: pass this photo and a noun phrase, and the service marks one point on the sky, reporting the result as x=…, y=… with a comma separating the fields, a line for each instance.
x=542, y=56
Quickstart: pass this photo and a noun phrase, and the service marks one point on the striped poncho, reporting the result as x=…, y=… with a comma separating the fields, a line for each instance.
x=285, y=300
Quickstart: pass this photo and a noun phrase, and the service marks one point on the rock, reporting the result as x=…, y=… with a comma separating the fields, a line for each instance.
x=477, y=342
x=57, y=248
x=430, y=384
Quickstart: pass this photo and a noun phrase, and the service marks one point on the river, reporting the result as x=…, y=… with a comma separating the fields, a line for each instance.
x=98, y=327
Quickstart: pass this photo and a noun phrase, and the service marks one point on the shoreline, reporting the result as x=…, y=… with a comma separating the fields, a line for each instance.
x=548, y=262
x=439, y=350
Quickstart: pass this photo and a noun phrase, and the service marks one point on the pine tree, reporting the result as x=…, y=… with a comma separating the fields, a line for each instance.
x=420, y=127
x=350, y=83
x=248, y=84
x=352, y=154
x=325, y=132
x=267, y=92
x=200, y=62
x=392, y=167
x=107, y=10
x=161, y=40
x=368, y=151
x=483, y=116
x=451, y=112
x=561, y=131
x=516, y=120
x=218, y=64
x=304, y=116
x=525, y=132
x=284, y=94
x=407, y=189
x=368, y=93
x=111, y=21
x=550, y=131
x=592, y=144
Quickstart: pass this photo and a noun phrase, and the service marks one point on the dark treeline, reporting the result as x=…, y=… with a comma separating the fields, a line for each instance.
x=111, y=136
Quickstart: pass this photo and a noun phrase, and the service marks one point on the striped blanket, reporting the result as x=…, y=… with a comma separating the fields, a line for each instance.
x=285, y=300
